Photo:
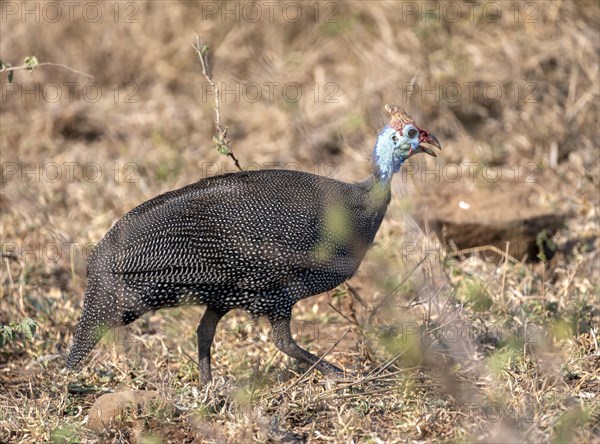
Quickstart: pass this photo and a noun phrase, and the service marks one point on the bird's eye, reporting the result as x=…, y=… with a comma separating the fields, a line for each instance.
x=395, y=138
x=412, y=133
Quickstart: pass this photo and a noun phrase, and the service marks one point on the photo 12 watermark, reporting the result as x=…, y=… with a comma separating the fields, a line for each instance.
x=469, y=172
x=471, y=11
x=129, y=172
x=69, y=172
x=493, y=412
x=271, y=92
x=69, y=92
x=69, y=11
x=411, y=250
x=269, y=11
x=407, y=11
x=48, y=252
x=469, y=92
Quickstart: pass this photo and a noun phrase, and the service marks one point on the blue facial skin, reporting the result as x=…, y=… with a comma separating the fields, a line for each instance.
x=394, y=147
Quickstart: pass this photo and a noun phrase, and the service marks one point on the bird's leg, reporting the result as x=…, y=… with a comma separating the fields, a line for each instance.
x=206, y=332
x=284, y=342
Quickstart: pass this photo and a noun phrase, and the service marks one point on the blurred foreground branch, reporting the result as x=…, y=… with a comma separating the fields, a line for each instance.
x=221, y=142
x=30, y=63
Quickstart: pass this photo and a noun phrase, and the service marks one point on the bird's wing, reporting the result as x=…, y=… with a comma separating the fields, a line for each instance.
x=217, y=234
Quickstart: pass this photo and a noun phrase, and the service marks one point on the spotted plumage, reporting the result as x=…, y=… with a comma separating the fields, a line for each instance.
x=257, y=240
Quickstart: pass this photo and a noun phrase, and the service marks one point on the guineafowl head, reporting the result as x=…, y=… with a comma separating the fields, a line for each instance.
x=398, y=141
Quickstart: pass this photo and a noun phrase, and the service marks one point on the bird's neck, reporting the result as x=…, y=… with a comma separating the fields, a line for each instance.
x=379, y=173
x=379, y=190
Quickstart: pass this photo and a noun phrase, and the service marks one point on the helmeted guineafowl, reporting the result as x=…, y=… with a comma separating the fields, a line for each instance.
x=257, y=240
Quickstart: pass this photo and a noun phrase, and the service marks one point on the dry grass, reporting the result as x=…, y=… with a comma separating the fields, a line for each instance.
x=524, y=365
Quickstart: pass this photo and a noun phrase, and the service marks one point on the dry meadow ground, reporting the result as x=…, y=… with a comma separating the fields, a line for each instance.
x=438, y=345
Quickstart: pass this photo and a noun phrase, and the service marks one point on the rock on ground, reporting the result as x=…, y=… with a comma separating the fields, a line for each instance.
x=128, y=408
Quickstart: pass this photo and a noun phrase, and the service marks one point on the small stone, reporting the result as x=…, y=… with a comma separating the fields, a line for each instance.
x=121, y=409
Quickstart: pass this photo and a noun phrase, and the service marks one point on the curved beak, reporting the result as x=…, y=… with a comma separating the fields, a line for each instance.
x=429, y=139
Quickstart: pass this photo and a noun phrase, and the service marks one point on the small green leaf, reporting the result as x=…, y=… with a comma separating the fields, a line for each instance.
x=64, y=434
x=31, y=62
x=545, y=245
x=8, y=334
x=28, y=328
x=223, y=149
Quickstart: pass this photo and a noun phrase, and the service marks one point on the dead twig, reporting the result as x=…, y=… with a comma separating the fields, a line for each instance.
x=396, y=291
x=504, y=271
x=338, y=310
x=31, y=63
x=221, y=142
